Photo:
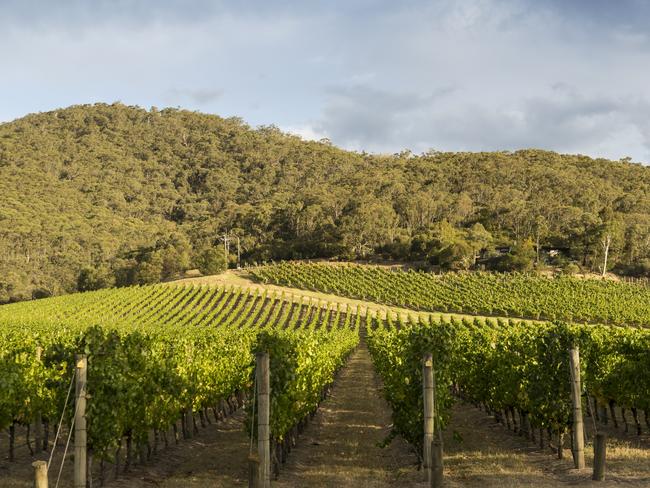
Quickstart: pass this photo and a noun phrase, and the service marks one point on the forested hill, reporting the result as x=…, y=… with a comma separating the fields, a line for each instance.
x=97, y=194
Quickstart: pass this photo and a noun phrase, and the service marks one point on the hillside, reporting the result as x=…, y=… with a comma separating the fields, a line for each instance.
x=125, y=195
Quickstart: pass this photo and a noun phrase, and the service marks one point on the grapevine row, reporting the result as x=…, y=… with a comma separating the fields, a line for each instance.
x=510, y=366
x=157, y=352
x=485, y=294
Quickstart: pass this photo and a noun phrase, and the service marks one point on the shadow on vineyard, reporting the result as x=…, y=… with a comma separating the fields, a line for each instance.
x=213, y=457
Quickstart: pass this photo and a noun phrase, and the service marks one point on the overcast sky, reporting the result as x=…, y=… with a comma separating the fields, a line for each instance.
x=380, y=76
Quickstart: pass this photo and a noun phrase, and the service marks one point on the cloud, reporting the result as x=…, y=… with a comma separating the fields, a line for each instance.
x=305, y=132
x=362, y=117
x=201, y=96
x=374, y=75
x=562, y=119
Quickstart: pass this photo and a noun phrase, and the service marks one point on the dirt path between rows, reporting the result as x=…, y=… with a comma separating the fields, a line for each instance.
x=340, y=447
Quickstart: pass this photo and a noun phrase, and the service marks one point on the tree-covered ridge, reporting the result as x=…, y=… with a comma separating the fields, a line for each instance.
x=100, y=194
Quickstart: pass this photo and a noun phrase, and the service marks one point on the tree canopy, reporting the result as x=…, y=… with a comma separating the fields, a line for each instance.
x=99, y=194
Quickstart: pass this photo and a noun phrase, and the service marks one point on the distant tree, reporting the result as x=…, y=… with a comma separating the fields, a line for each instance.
x=369, y=225
x=422, y=245
x=520, y=257
x=457, y=255
x=95, y=278
x=149, y=270
x=462, y=208
x=541, y=229
x=211, y=261
x=478, y=239
x=611, y=236
x=175, y=260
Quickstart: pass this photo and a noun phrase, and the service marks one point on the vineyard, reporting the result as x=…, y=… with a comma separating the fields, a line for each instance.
x=165, y=356
x=517, y=370
x=158, y=353
x=484, y=294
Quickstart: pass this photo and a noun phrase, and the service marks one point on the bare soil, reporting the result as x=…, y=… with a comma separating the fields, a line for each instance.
x=482, y=453
x=340, y=447
x=215, y=457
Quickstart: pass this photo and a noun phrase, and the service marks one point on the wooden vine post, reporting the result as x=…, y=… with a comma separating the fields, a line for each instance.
x=81, y=370
x=576, y=398
x=263, y=417
x=40, y=474
x=600, y=454
x=253, y=470
x=437, y=467
x=427, y=387
x=38, y=420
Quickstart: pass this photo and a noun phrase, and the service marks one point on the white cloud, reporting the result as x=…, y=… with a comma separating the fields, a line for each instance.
x=306, y=132
x=200, y=96
x=370, y=75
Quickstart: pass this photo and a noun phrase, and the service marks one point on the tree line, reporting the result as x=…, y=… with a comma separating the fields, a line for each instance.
x=98, y=195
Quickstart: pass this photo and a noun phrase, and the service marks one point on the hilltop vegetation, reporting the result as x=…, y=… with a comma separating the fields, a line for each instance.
x=97, y=195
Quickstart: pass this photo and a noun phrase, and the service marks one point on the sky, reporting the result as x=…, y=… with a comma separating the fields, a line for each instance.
x=379, y=76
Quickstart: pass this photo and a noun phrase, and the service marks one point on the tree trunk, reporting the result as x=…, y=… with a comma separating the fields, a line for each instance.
x=606, y=242
x=29, y=443
x=117, y=458
x=12, y=440
x=129, y=452
x=612, y=413
x=635, y=416
x=46, y=434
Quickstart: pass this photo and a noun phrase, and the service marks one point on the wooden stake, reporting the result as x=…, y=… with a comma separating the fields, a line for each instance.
x=253, y=471
x=600, y=448
x=427, y=391
x=576, y=398
x=81, y=370
x=263, y=417
x=38, y=421
x=40, y=474
x=437, y=468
